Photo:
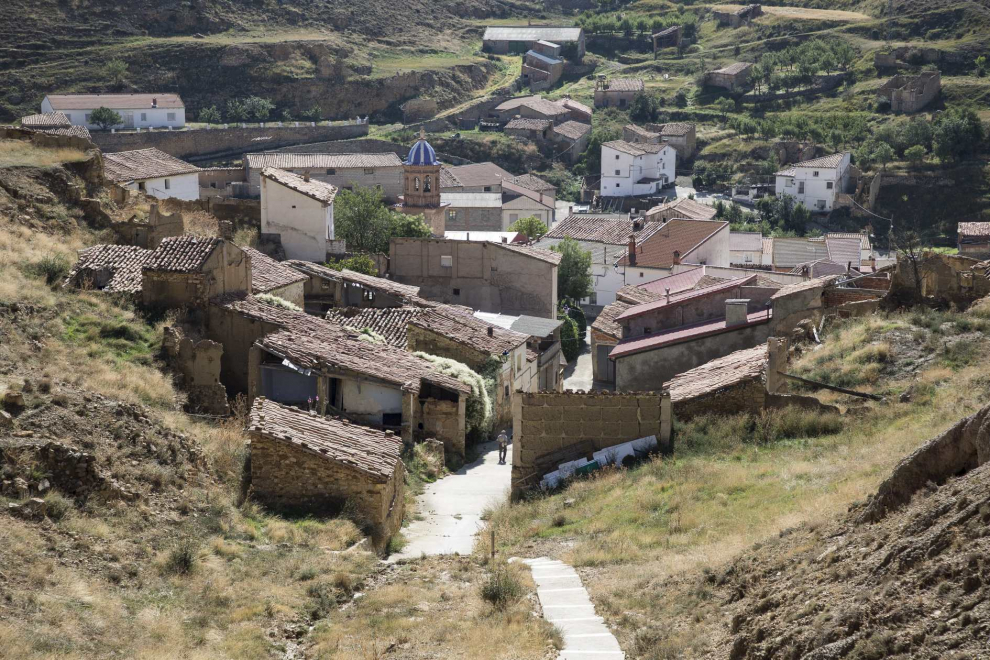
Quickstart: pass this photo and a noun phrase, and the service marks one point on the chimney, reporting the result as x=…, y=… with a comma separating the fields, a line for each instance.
x=154, y=103
x=637, y=224
x=736, y=311
x=467, y=235
x=632, y=249
x=491, y=331
x=677, y=257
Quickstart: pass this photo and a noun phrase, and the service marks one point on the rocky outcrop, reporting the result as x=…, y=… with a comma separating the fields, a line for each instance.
x=63, y=468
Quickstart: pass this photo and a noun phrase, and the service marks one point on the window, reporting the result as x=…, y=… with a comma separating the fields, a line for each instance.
x=87, y=117
x=622, y=103
x=814, y=173
x=169, y=116
x=293, y=206
x=427, y=183
x=790, y=182
x=647, y=330
x=749, y=258
x=141, y=186
x=167, y=184
x=820, y=204
x=616, y=185
x=144, y=116
x=506, y=391
x=617, y=172
x=457, y=292
x=488, y=188
x=446, y=261
x=416, y=184
x=513, y=217
x=331, y=171
x=801, y=188
x=452, y=215
x=369, y=170
x=641, y=273
x=829, y=185
x=617, y=156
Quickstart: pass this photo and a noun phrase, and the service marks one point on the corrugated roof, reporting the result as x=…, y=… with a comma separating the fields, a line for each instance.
x=318, y=190
x=114, y=101
x=720, y=373
x=142, y=164
x=390, y=322
x=684, y=297
x=681, y=236
x=268, y=274
x=817, y=282
x=845, y=250
x=789, y=252
x=549, y=61
x=745, y=241
x=684, y=208
x=684, y=333
x=182, y=254
x=119, y=266
x=374, y=453
x=552, y=33
x=296, y=161
x=535, y=326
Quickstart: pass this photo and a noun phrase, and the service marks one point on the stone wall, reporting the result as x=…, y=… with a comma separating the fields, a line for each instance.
x=198, y=363
x=552, y=428
x=444, y=421
x=197, y=145
x=365, y=146
x=284, y=475
x=748, y=396
x=835, y=296
x=66, y=469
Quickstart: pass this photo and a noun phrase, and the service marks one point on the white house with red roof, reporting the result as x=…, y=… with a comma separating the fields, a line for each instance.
x=816, y=182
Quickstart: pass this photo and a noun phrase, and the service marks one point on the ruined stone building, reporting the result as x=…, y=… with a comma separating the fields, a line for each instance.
x=542, y=66
x=186, y=271
x=617, y=92
x=738, y=17
x=682, y=136
x=734, y=77
x=534, y=130
x=54, y=123
x=974, y=239
x=276, y=278
x=571, y=139
x=149, y=234
x=308, y=463
x=342, y=171
x=153, y=172
x=109, y=268
x=297, y=213
x=490, y=277
x=327, y=289
x=944, y=278
x=390, y=323
x=667, y=38
x=909, y=94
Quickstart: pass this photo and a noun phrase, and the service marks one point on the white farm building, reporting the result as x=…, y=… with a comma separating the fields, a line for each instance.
x=154, y=173
x=135, y=110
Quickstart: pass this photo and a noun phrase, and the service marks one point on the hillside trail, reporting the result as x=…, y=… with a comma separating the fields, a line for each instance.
x=450, y=510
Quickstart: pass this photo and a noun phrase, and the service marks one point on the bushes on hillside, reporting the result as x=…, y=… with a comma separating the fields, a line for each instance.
x=713, y=433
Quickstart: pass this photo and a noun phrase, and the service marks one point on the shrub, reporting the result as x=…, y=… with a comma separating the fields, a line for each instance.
x=181, y=559
x=501, y=588
x=575, y=312
x=53, y=267
x=275, y=301
x=57, y=505
x=479, y=415
x=570, y=341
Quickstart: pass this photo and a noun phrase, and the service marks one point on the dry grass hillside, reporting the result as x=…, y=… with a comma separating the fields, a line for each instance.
x=667, y=536
x=153, y=550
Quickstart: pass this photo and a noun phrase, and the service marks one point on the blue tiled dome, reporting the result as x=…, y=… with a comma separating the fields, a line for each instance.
x=422, y=154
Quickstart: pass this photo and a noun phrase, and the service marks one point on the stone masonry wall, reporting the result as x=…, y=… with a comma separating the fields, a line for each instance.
x=748, y=396
x=209, y=144
x=835, y=296
x=551, y=428
x=444, y=421
x=285, y=475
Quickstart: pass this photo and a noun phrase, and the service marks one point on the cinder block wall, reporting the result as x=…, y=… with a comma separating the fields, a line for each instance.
x=552, y=428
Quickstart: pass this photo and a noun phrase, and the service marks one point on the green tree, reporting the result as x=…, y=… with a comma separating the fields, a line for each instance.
x=258, y=108
x=105, y=117
x=361, y=263
x=210, y=115
x=532, y=226
x=361, y=219
x=883, y=154
x=957, y=134
x=116, y=71
x=574, y=272
x=570, y=342
x=408, y=226
x=235, y=110
x=915, y=154
x=981, y=66
x=725, y=105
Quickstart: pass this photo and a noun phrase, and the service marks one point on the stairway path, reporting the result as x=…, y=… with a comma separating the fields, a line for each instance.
x=566, y=604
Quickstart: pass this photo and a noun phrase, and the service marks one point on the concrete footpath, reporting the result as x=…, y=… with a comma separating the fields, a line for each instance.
x=566, y=604
x=450, y=509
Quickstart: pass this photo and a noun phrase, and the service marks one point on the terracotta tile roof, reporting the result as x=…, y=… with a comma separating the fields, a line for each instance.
x=635, y=148
x=977, y=229
x=71, y=131
x=369, y=451
x=533, y=182
x=468, y=330
x=636, y=295
x=143, y=164
x=682, y=334
x=641, y=132
x=549, y=256
x=121, y=264
x=681, y=236
x=606, y=321
x=625, y=85
x=367, y=281
x=318, y=190
x=251, y=308
x=390, y=322
x=476, y=174
x=571, y=104
x=524, y=124
x=614, y=230
x=768, y=246
x=682, y=281
x=676, y=128
x=710, y=280
x=824, y=162
x=804, y=286
x=182, y=254
x=820, y=268
x=299, y=161
x=684, y=297
x=333, y=349
x=268, y=274
x=46, y=120
x=448, y=179
x=573, y=130
x=709, y=378
x=735, y=68
x=684, y=208
x=545, y=107
x=746, y=241
x=114, y=101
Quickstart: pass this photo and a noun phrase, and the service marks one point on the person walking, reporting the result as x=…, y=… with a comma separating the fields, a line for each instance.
x=503, y=447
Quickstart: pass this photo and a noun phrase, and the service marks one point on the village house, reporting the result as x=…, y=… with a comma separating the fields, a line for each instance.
x=454, y=333
x=489, y=177
x=535, y=130
x=149, y=233
x=571, y=138
x=521, y=202
x=490, y=277
x=542, y=66
x=698, y=242
x=617, y=92
x=343, y=171
x=736, y=18
x=473, y=211
x=682, y=136
x=734, y=77
x=745, y=248
x=109, y=268
x=636, y=169
x=974, y=239
x=297, y=212
x=327, y=289
x=505, y=39
x=681, y=208
x=667, y=38
x=275, y=278
x=421, y=186
x=135, y=110
x=152, y=172
x=372, y=384
x=578, y=111
x=530, y=107
x=484, y=197
x=815, y=183
x=304, y=462
x=389, y=323
x=909, y=94
x=54, y=123
x=543, y=346
x=187, y=271
x=607, y=238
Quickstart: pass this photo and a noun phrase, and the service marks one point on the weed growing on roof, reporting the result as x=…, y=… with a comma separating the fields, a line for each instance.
x=275, y=301
x=478, y=413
